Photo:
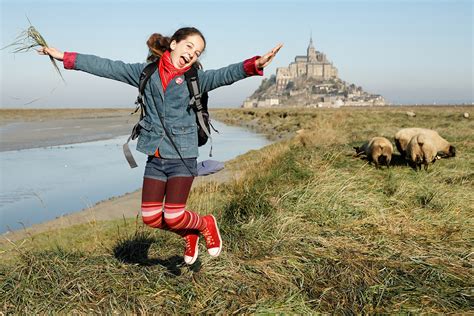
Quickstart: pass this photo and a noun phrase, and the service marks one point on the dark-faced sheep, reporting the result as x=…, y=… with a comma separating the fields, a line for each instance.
x=378, y=150
x=421, y=150
x=443, y=147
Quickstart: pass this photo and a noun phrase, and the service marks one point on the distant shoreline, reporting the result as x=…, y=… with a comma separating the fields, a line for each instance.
x=129, y=109
x=35, y=128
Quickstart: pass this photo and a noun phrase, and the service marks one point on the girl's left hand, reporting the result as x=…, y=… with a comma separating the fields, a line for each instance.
x=266, y=59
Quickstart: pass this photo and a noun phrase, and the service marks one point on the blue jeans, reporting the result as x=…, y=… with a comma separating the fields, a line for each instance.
x=163, y=169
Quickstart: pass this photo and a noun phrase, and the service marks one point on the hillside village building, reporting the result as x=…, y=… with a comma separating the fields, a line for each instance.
x=310, y=81
x=313, y=65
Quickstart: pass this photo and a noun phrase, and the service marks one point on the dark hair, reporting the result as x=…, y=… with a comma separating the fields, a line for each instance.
x=158, y=44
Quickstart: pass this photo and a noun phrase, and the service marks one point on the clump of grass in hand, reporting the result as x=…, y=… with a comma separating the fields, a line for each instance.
x=30, y=39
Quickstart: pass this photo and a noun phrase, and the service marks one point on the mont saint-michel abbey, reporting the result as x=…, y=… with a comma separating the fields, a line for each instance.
x=313, y=65
x=310, y=81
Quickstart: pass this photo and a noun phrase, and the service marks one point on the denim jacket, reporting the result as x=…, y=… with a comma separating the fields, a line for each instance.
x=171, y=105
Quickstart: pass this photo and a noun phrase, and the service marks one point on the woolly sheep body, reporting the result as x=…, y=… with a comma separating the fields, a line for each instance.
x=403, y=137
x=421, y=150
x=443, y=147
x=375, y=149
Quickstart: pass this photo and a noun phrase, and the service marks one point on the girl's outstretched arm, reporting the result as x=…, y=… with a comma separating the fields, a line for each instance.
x=212, y=79
x=102, y=67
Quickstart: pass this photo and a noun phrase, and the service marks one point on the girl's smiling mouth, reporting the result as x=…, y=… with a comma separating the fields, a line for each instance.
x=183, y=60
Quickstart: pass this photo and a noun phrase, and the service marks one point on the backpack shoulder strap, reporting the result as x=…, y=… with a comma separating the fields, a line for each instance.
x=192, y=81
x=143, y=79
x=145, y=75
x=195, y=103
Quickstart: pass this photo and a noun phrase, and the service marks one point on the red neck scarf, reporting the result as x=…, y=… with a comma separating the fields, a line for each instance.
x=167, y=70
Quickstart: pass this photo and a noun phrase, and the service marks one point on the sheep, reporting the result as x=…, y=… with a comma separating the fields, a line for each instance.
x=443, y=147
x=377, y=150
x=421, y=150
x=403, y=137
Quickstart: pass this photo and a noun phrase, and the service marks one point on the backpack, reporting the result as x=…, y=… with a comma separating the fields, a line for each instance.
x=198, y=103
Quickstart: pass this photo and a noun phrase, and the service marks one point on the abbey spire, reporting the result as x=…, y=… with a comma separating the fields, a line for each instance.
x=311, y=51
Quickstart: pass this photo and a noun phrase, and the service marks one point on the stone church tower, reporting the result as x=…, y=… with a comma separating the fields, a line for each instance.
x=314, y=65
x=311, y=51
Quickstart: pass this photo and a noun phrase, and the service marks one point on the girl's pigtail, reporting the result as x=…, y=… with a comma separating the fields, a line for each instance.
x=157, y=45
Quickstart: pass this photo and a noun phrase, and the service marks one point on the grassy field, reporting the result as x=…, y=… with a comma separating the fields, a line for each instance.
x=307, y=228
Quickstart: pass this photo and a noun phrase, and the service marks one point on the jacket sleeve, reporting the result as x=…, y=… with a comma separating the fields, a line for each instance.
x=212, y=79
x=103, y=67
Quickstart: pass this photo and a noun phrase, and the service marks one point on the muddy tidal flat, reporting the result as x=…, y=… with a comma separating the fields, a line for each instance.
x=34, y=128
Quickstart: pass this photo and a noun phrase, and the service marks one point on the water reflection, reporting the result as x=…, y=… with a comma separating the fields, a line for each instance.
x=43, y=183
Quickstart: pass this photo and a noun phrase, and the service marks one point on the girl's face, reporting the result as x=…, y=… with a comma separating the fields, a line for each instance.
x=186, y=52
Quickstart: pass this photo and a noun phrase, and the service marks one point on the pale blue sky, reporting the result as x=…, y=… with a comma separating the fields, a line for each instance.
x=408, y=51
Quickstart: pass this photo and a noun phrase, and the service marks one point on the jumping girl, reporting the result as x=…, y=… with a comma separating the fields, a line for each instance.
x=168, y=179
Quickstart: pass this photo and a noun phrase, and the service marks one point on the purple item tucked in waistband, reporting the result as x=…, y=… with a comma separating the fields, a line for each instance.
x=208, y=167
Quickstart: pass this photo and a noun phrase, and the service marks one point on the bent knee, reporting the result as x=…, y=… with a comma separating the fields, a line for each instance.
x=153, y=221
x=152, y=216
x=173, y=220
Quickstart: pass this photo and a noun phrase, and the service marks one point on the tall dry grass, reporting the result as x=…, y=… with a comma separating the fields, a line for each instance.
x=306, y=226
x=30, y=39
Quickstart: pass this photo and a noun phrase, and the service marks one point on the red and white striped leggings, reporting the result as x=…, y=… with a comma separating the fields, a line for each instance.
x=171, y=215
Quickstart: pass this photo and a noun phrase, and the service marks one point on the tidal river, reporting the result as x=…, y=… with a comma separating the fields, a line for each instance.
x=41, y=184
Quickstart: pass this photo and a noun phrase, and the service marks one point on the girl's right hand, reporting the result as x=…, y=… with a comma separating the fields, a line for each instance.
x=266, y=59
x=51, y=51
